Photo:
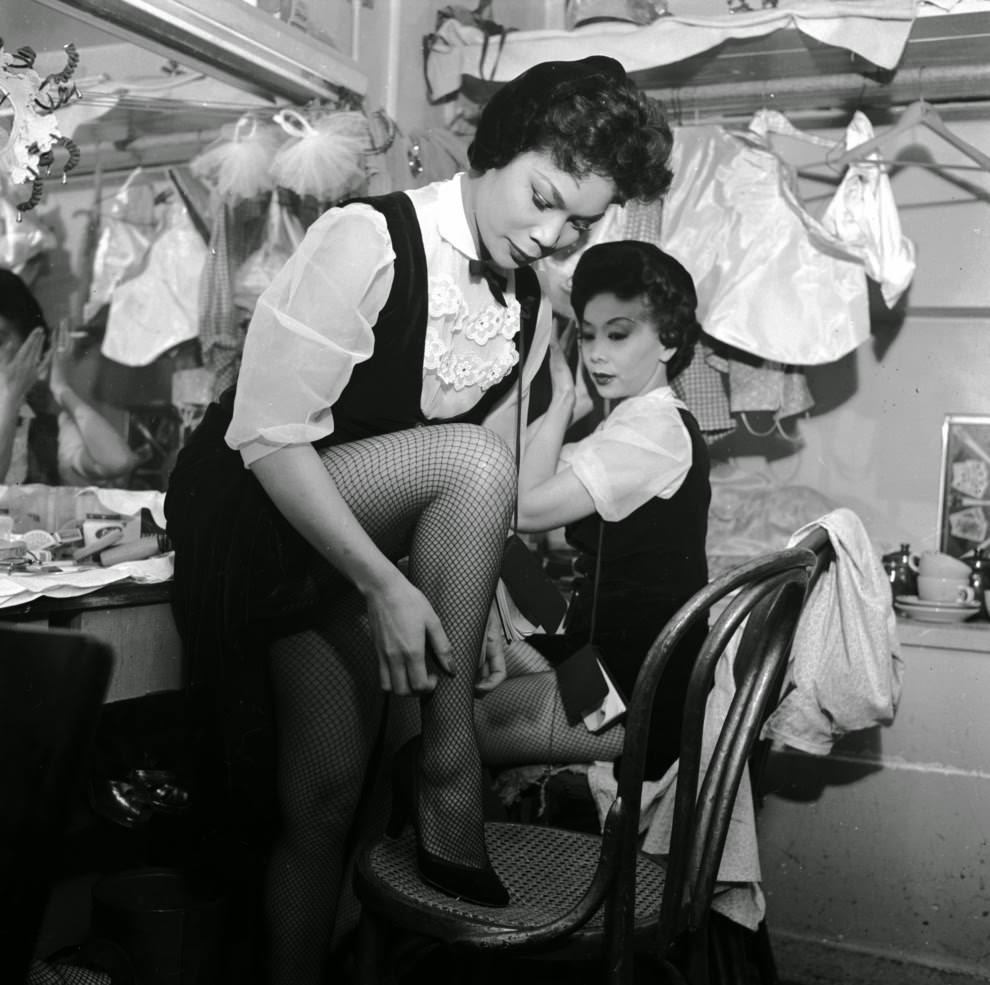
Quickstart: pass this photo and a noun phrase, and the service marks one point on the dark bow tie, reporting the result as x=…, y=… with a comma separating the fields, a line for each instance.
x=497, y=282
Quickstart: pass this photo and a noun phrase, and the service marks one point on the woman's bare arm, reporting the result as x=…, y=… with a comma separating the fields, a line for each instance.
x=402, y=620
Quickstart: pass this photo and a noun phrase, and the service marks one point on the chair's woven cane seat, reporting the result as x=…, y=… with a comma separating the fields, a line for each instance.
x=546, y=871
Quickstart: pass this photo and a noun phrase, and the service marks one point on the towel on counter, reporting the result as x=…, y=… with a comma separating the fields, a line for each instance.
x=845, y=668
x=737, y=891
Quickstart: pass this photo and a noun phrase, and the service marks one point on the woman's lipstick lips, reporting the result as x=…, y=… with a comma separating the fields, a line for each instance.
x=519, y=258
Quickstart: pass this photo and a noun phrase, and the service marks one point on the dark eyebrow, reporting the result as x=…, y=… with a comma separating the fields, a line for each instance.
x=558, y=202
x=611, y=322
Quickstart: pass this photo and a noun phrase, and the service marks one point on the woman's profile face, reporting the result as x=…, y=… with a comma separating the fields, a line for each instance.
x=621, y=347
x=530, y=208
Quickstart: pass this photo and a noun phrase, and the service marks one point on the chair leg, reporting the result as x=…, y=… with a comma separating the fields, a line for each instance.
x=763, y=955
x=373, y=966
x=728, y=953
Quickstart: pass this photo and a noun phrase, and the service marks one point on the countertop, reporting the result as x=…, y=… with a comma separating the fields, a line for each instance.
x=973, y=634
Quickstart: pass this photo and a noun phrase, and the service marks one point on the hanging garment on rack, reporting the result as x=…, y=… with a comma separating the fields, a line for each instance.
x=157, y=309
x=863, y=216
x=125, y=235
x=770, y=279
x=763, y=385
x=236, y=231
x=700, y=385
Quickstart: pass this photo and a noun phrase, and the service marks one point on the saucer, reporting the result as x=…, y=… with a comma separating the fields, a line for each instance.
x=936, y=611
x=913, y=600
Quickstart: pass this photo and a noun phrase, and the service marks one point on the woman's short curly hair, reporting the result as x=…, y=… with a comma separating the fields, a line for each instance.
x=630, y=269
x=591, y=119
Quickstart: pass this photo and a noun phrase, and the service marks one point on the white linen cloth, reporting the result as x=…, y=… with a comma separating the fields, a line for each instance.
x=641, y=450
x=738, y=895
x=845, y=667
x=844, y=674
x=314, y=323
x=877, y=30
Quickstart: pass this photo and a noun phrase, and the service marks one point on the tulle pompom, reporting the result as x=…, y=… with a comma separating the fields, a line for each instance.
x=324, y=158
x=239, y=166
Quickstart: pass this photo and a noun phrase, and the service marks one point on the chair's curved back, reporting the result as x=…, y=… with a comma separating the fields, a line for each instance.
x=52, y=687
x=767, y=595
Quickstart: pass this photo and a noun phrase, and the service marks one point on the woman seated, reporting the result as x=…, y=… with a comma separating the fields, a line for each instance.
x=633, y=496
x=48, y=435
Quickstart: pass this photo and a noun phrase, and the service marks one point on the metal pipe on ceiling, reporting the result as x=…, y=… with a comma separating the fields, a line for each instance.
x=828, y=92
x=229, y=40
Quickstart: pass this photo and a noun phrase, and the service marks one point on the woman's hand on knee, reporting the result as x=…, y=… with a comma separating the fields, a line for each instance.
x=411, y=643
x=491, y=668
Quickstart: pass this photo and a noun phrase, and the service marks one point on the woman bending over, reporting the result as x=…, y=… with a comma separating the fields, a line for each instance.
x=353, y=441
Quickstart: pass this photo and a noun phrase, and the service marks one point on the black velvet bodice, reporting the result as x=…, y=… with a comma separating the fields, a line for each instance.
x=660, y=545
x=383, y=393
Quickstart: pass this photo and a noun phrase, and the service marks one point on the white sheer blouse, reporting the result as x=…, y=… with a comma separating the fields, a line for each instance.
x=641, y=450
x=314, y=324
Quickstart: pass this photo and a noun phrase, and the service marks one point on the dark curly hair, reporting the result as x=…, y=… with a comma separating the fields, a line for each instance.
x=588, y=116
x=19, y=306
x=630, y=269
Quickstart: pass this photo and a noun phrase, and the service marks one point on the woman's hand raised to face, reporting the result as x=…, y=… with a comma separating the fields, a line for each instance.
x=408, y=638
x=565, y=387
x=24, y=369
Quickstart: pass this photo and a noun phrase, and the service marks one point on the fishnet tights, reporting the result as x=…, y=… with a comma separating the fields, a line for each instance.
x=443, y=496
x=522, y=721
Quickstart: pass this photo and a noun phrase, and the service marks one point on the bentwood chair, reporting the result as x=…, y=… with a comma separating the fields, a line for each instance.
x=52, y=687
x=578, y=896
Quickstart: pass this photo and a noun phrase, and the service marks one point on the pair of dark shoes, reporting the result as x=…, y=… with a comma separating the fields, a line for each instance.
x=475, y=885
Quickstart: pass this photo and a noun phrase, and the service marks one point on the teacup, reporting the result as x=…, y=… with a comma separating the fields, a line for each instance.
x=935, y=564
x=944, y=589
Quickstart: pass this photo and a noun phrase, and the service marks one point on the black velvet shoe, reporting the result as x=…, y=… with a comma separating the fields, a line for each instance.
x=475, y=885
x=481, y=886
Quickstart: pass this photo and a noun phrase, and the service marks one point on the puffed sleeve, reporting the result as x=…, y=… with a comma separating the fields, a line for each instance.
x=643, y=450
x=310, y=328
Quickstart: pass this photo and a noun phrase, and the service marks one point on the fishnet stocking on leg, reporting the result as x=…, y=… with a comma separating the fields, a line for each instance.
x=327, y=708
x=522, y=721
x=444, y=496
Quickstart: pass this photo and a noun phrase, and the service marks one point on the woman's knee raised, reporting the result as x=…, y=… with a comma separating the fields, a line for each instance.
x=487, y=463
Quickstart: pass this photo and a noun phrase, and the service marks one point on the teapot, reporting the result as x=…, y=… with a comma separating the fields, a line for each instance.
x=902, y=571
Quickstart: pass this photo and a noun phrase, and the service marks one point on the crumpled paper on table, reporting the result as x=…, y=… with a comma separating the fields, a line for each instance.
x=21, y=587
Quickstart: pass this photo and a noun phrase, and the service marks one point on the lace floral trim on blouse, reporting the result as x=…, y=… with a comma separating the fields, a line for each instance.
x=466, y=350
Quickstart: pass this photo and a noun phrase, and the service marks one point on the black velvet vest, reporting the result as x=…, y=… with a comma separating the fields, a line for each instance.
x=383, y=393
x=659, y=548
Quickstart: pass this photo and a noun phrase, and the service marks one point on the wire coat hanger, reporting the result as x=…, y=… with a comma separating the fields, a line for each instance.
x=918, y=113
